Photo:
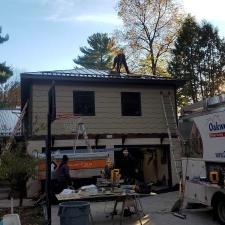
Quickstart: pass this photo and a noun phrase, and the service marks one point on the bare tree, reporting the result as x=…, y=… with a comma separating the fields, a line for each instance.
x=150, y=27
x=10, y=94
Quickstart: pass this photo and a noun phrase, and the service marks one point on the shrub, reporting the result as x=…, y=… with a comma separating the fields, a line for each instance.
x=16, y=167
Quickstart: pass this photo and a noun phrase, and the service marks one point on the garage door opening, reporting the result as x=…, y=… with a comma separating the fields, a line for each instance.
x=153, y=161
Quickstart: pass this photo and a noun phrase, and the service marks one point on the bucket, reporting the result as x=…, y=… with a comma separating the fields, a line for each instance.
x=74, y=212
x=10, y=219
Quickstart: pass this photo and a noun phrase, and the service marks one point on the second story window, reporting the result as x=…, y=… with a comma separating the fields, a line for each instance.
x=84, y=103
x=131, y=103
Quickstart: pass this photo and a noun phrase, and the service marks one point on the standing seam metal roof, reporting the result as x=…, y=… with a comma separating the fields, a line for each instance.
x=95, y=73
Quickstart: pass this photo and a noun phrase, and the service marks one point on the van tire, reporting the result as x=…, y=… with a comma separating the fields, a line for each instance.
x=220, y=210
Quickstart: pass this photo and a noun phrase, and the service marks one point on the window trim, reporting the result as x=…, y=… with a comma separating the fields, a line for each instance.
x=140, y=105
x=74, y=111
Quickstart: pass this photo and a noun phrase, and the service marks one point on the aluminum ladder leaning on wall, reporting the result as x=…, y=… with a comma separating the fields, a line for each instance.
x=15, y=130
x=171, y=124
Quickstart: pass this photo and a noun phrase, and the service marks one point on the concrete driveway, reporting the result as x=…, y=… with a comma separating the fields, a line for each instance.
x=157, y=209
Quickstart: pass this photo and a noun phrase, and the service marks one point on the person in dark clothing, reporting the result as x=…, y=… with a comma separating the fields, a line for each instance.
x=60, y=180
x=128, y=174
x=63, y=174
x=127, y=167
x=120, y=60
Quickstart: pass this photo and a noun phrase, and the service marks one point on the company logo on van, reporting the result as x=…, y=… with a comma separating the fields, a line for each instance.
x=220, y=154
x=216, y=127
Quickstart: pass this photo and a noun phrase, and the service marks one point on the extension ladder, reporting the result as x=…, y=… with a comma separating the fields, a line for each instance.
x=15, y=130
x=171, y=124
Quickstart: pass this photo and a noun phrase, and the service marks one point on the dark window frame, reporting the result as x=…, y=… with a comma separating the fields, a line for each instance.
x=125, y=103
x=77, y=110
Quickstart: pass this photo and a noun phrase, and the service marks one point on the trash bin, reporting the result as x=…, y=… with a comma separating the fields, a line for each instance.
x=74, y=213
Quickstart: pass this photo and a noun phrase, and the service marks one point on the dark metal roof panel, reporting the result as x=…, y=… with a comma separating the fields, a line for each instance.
x=92, y=75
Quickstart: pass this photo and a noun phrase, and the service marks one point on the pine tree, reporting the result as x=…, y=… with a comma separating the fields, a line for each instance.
x=198, y=57
x=5, y=71
x=98, y=54
x=184, y=56
x=212, y=60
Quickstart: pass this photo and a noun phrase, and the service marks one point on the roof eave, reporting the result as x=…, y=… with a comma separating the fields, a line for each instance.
x=170, y=82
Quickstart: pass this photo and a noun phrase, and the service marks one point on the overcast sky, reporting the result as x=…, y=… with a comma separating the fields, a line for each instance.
x=47, y=34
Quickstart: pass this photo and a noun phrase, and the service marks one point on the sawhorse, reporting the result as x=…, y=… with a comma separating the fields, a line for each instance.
x=125, y=199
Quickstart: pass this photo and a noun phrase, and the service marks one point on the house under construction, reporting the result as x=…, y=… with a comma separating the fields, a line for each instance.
x=118, y=110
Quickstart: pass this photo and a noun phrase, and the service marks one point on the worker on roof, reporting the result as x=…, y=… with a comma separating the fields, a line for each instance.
x=120, y=60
